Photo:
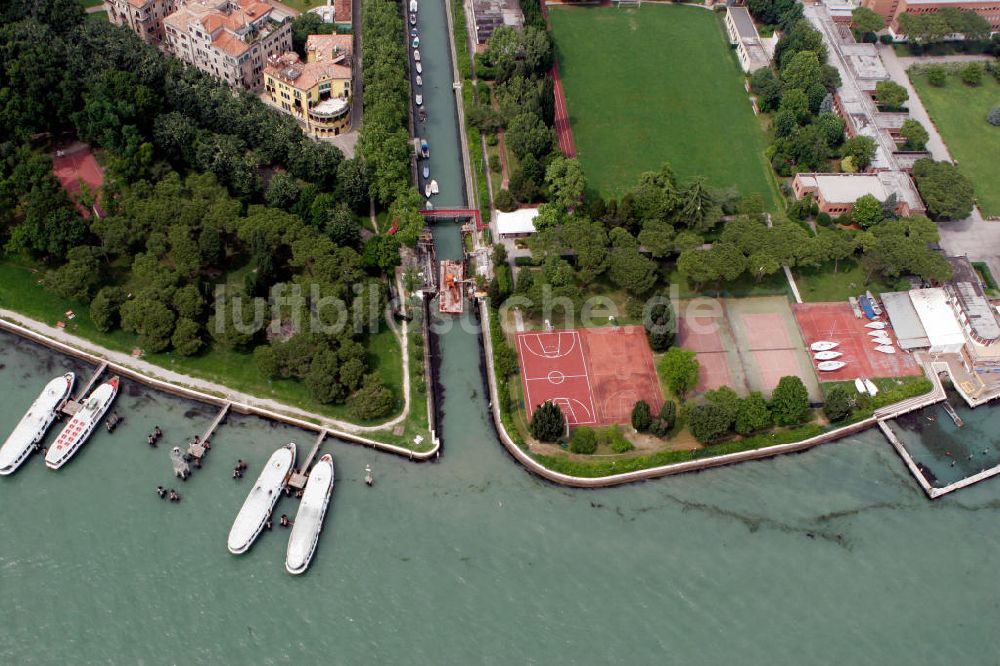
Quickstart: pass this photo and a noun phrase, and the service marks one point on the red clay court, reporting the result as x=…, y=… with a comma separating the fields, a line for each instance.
x=702, y=336
x=77, y=165
x=594, y=375
x=836, y=322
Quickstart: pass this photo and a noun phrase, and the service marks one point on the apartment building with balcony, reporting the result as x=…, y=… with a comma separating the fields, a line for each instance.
x=143, y=17
x=317, y=92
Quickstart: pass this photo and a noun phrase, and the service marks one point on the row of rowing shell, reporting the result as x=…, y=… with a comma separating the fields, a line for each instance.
x=32, y=427
x=259, y=506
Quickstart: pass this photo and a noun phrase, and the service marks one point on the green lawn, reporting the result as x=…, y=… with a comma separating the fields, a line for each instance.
x=822, y=285
x=959, y=113
x=20, y=291
x=653, y=85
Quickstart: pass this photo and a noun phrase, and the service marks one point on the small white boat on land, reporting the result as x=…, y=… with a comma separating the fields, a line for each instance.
x=876, y=324
x=883, y=341
x=434, y=187
x=260, y=502
x=886, y=349
x=420, y=68
x=81, y=425
x=870, y=385
x=859, y=385
x=420, y=81
x=416, y=55
x=830, y=366
x=823, y=345
x=34, y=424
x=877, y=334
x=309, y=519
x=419, y=99
x=827, y=355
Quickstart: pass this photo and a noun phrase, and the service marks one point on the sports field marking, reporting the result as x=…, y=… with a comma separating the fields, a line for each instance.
x=544, y=346
x=572, y=408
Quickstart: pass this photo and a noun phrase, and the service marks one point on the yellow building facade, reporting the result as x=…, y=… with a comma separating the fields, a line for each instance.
x=317, y=92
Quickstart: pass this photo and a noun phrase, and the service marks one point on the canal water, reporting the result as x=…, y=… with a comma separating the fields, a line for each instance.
x=829, y=556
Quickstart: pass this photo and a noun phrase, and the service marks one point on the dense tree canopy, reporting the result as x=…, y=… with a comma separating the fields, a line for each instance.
x=946, y=191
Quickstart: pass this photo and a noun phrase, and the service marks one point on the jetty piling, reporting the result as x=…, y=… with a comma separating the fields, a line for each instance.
x=953, y=414
x=298, y=479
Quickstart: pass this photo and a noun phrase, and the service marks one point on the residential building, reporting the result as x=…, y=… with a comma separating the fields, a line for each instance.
x=317, y=92
x=743, y=35
x=143, y=17
x=230, y=40
x=337, y=12
x=890, y=10
x=835, y=193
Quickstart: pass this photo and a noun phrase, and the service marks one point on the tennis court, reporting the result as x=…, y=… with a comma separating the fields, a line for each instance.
x=595, y=375
x=748, y=345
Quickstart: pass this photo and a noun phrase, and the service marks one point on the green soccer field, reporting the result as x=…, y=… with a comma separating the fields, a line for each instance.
x=653, y=85
x=959, y=113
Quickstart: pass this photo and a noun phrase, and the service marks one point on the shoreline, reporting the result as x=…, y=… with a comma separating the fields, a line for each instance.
x=302, y=420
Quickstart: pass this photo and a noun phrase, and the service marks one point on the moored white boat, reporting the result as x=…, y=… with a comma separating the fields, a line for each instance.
x=419, y=81
x=886, y=349
x=416, y=42
x=829, y=366
x=34, y=424
x=81, y=425
x=870, y=385
x=413, y=6
x=416, y=55
x=429, y=205
x=309, y=518
x=875, y=324
x=427, y=172
x=827, y=355
x=434, y=187
x=260, y=502
x=419, y=99
x=413, y=19
x=427, y=191
x=859, y=384
x=823, y=345
x=419, y=68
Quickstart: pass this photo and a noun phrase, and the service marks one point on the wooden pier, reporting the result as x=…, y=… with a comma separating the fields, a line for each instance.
x=953, y=414
x=197, y=450
x=72, y=405
x=298, y=479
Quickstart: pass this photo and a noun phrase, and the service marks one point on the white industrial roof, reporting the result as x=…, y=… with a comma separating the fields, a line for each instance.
x=848, y=188
x=520, y=221
x=906, y=326
x=937, y=317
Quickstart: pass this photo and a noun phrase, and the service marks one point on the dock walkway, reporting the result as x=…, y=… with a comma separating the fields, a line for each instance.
x=298, y=479
x=72, y=405
x=197, y=450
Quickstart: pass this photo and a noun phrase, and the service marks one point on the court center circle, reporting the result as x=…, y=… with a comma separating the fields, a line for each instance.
x=556, y=377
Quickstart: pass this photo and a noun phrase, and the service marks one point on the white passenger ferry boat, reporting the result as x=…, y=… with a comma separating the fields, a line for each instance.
x=261, y=500
x=35, y=423
x=309, y=519
x=82, y=424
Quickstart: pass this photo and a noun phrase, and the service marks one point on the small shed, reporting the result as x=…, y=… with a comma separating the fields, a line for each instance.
x=516, y=224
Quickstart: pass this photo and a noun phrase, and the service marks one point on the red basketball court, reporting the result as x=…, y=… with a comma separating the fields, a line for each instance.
x=594, y=375
x=836, y=322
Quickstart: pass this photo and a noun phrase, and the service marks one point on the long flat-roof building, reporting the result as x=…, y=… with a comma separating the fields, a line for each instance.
x=743, y=35
x=835, y=193
x=230, y=40
x=944, y=332
x=891, y=10
x=906, y=326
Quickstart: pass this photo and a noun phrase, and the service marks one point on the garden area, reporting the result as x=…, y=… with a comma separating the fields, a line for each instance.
x=631, y=111
x=959, y=112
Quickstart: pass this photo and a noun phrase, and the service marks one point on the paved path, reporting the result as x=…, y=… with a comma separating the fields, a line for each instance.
x=205, y=386
x=96, y=9
x=973, y=236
